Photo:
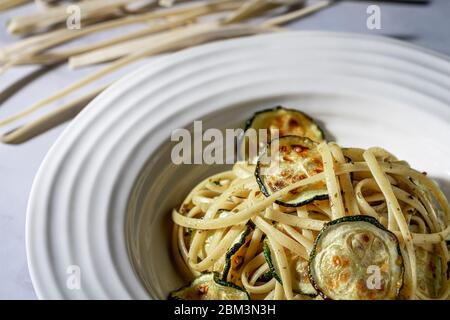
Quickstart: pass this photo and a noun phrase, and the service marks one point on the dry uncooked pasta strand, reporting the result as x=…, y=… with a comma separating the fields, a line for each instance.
x=197, y=34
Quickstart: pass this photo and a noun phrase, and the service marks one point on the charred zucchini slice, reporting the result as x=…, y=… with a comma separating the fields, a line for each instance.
x=302, y=284
x=299, y=267
x=356, y=258
x=235, y=256
x=429, y=272
x=209, y=286
x=286, y=121
x=297, y=159
x=273, y=268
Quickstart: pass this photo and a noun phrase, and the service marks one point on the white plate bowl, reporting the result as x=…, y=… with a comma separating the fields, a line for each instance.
x=102, y=198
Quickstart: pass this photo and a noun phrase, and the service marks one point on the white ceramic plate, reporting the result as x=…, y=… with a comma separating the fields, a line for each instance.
x=102, y=198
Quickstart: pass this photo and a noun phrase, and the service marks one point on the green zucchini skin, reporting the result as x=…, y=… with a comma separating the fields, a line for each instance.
x=249, y=122
x=243, y=239
x=210, y=278
x=307, y=289
x=268, y=256
x=356, y=218
x=267, y=276
x=320, y=195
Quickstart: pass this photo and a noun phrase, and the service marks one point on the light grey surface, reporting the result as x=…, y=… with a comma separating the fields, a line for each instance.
x=428, y=26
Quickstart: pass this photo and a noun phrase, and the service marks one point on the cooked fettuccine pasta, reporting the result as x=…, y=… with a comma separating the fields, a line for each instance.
x=317, y=221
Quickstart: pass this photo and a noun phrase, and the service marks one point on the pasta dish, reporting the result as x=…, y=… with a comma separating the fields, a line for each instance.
x=321, y=222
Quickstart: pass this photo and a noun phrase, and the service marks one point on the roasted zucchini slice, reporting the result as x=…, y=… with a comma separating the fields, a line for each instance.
x=300, y=272
x=429, y=272
x=235, y=256
x=356, y=258
x=209, y=286
x=273, y=268
x=286, y=121
x=297, y=159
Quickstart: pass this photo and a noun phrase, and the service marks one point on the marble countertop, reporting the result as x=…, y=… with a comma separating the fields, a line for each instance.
x=428, y=26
